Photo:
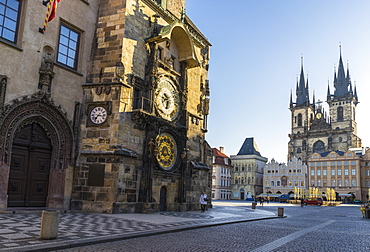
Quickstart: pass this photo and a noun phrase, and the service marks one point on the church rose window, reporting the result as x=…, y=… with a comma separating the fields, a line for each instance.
x=319, y=147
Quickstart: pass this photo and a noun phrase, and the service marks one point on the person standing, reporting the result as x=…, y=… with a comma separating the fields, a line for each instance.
x=203, y=202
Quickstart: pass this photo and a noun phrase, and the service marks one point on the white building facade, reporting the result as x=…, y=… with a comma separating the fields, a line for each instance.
x=281, y=178
x=221, y=175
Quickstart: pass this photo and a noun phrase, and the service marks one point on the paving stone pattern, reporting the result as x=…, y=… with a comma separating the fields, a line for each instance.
x=20, y=232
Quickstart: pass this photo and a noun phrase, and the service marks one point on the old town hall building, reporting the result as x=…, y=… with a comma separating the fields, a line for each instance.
x=312, y=129
x=104, y=109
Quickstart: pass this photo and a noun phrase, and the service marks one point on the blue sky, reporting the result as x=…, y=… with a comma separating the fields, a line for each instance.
x=256, y=53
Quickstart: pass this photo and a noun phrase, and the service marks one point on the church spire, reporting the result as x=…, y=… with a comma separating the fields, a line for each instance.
x=291, y=98
x=302, y=89
x=341, y=82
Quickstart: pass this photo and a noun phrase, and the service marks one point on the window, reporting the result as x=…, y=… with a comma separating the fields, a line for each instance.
x=160, y=53
x=345, y=162
x=346, y=183
x=367, y=183
x=332, y=163
x=333, y=183
x=278, y=183
x=324, y=172
x=290, y=183
x=318, y=164
x=324, y=183
x=296, y=183
x=266, y=183
x=339, y=163
x=312, y=164
x=302, y=183
x=340, y=113
x=333, y=172
x=312, y=172
x=312, y=182
x=349, y=155
x=353, y=162
x=345, y=171
x=353, y=171
x=318, y=172
x=299, y=120
x=339, y=172
x=323, y=163
x=318, y=182
x=353, y=182
x=68, y=46
x=272, y=183
x=367, y=173
x=9, y=10
x=339, y=183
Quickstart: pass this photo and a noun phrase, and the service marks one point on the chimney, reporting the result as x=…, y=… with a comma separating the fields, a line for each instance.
x=222, y=149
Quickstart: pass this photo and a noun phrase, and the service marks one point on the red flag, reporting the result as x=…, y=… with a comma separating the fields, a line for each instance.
x=50, y=13
x=53, y=10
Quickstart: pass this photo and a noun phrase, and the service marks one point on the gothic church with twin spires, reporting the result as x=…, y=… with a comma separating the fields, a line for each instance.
x=312, y=129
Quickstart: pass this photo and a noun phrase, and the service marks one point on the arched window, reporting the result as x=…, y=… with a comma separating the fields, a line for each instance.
x=299, y=120
x=299, y=150
x=340, y=113
x=284, y=181
x=319, y=147
x=249, y=167
x=249, y=180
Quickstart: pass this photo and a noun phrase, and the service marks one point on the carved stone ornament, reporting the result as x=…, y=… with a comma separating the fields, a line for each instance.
x=46, y=74
x=39, y=109
x=3, y=82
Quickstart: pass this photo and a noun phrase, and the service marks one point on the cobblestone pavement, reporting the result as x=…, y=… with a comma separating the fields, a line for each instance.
x=21, y=231
x=309, y=228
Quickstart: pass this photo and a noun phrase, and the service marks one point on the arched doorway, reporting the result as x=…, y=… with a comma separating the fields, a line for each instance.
x=29, y=168
x=163, y=199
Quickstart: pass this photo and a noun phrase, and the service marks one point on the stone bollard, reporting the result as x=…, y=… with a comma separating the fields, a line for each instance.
x=49, y=225
x=254, y=204
x=280, y=211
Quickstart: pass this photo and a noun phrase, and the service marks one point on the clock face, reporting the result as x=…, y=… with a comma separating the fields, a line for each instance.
x=167, y=151
x=98, y=115
x=167, y=99
x=318, y=115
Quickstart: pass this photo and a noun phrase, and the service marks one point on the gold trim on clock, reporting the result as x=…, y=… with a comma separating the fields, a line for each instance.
x=167, y=151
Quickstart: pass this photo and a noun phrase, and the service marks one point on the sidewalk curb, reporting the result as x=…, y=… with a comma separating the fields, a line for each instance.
x=93, y=241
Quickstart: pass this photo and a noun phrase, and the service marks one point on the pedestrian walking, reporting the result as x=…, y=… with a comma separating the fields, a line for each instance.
x=301, y=202
x=268, y=199
x=261, y=201
x=203, y=202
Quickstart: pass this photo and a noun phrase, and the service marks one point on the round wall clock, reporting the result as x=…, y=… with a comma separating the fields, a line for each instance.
x=167, y=99
x=318, y=115
x=98, y=115
x=167, y=151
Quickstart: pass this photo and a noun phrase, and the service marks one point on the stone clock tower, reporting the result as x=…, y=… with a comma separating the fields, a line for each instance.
x=315, y=131
x=144, y=112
